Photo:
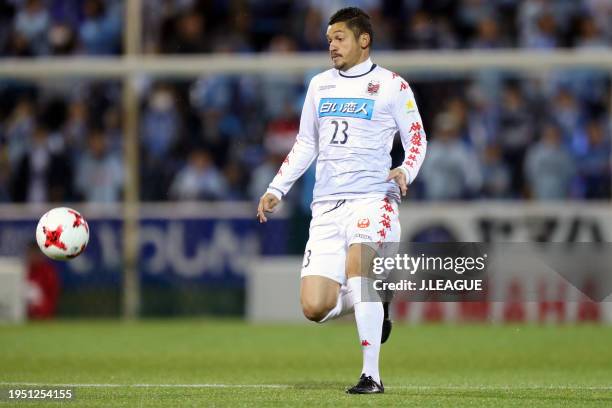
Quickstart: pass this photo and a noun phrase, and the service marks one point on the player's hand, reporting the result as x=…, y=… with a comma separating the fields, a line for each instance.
x=399, y=176
x=267, y=203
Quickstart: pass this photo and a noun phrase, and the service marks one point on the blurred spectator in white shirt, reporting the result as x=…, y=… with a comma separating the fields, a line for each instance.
x=199, y=179
x=18, y=130
x=101, y=30
x=99, y=175
x=549, y=168
x=545, y=35
x=496, y=174
x=161, y=122
x=32, y=23
x=566, y=112
x=451, y=170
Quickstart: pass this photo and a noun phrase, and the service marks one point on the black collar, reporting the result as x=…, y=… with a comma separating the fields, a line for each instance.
x=357, y=76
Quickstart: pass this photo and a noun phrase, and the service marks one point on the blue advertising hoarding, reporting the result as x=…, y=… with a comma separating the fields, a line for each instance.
x=183, y=260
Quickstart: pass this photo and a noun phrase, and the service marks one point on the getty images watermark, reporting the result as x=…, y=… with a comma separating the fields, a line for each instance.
x=499, y=272
x=444, y=273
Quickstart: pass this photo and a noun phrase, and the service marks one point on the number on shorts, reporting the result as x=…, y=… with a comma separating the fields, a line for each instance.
x=307, y=262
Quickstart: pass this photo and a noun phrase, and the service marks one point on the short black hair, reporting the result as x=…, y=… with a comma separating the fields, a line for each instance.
x=357, y=20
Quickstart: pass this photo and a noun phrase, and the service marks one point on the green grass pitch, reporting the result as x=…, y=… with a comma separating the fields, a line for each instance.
x=173, y=363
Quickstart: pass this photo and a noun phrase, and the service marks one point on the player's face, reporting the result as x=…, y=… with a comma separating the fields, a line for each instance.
x=344, y=49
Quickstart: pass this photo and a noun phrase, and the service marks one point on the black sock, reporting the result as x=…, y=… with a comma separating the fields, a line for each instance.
x=386, y=310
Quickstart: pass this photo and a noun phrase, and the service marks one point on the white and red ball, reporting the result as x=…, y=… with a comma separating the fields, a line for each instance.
x=62, y=233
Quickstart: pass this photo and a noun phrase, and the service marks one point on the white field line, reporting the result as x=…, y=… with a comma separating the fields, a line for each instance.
x=400, y=387
x=90, y=385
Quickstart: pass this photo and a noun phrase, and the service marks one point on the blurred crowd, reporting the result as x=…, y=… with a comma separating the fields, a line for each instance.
x=224, y=137
x=493, y=135
x=60, y=142
x=524, y=142
x=94, y=27
x=60, y=27
x=189, y=26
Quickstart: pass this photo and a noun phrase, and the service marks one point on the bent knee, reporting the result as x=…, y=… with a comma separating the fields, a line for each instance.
x=316, y=310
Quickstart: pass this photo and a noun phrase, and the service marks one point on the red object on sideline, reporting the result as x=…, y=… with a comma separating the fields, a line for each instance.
x=43, y=275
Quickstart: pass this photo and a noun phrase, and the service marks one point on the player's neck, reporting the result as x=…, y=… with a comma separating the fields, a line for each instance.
x=363, y=66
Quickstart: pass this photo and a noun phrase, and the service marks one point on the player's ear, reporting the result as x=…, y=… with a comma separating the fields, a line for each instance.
x=364, y=40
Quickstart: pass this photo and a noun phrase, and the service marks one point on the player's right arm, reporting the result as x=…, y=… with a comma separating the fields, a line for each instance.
x=303, y=153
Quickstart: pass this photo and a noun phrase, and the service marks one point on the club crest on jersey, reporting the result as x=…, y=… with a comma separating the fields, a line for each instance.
x=359, y=108
x=363, y=223
x=373, y=87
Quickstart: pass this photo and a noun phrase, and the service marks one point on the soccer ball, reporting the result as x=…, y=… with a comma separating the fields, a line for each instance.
x=62, y=233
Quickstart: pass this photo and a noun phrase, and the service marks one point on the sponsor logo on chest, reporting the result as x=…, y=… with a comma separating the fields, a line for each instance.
x=360, y=108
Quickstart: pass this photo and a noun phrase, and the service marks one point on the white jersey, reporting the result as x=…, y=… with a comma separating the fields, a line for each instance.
x=348, y=123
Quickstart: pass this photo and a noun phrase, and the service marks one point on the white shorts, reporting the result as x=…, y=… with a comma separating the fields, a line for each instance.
x=337, y=224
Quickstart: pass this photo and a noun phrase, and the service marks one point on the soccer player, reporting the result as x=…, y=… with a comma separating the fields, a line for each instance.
x=350, y=116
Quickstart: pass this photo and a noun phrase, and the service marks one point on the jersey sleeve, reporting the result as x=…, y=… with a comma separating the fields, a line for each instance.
x=410, y=125
x=304, y=151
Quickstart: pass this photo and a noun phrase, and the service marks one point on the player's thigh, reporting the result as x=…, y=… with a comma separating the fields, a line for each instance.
x=324, y=257
x=374, y=221
x=325, y=250
x=359, y=260
x=373, y=230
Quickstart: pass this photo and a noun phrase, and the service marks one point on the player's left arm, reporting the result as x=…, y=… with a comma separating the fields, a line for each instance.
x=408, y=121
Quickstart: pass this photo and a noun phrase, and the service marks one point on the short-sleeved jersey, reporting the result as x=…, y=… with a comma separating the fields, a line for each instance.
x=348, y=123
